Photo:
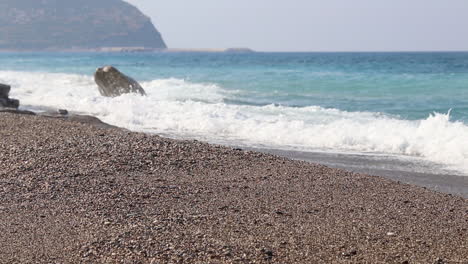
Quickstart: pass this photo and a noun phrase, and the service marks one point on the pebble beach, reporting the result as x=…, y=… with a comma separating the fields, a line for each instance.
x=72, y=191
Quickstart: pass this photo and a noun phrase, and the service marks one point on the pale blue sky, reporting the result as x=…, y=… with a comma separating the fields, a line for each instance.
x=311, y=25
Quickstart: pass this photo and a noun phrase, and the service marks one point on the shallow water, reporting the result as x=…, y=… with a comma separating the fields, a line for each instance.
x=402, y=169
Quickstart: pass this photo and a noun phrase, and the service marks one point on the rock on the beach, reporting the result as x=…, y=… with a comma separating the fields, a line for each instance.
x=9, y=103
x=63, y=111
x=112, y=82
x=4, y=100
x=4, y=90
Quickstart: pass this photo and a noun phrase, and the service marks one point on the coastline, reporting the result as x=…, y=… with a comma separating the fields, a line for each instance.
x=134, y=50
x=392, y=169
x=75, y=192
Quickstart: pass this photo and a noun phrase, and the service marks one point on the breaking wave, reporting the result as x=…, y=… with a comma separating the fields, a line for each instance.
x=178, y=108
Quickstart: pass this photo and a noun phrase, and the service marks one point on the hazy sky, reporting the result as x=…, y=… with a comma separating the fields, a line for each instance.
x=311, y=25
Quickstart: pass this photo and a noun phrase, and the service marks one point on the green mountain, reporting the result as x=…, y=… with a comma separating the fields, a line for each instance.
x=75, y=24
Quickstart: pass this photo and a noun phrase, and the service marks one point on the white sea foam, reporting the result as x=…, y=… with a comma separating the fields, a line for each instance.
x=182, y=109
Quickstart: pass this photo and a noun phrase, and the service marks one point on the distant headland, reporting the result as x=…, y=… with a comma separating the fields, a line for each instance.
x=82, y=26
x=78, y=25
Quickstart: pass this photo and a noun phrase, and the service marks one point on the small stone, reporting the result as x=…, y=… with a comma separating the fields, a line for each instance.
x=391, y=234
x=63, y=111
x=268, y=253
x=349, y=253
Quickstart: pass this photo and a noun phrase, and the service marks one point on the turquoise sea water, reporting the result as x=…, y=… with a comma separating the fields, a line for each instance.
x=404, y=104
x=410, y=85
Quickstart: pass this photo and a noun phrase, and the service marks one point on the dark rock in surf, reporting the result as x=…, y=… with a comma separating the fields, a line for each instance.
x=112, y=82
x=4, y=90
x=62, y=112
x=9, y=103
x=6, y=102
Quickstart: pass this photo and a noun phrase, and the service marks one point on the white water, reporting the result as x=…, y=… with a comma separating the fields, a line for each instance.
x=181, y=109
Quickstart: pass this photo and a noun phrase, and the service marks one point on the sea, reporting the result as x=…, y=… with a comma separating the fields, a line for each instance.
x=409, y=107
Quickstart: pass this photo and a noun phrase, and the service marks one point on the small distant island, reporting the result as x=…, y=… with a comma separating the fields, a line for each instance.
x=228, y=50
x=78, y=25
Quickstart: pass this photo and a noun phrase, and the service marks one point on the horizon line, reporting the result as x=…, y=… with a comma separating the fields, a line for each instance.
x=311, y=51
x=239, y=50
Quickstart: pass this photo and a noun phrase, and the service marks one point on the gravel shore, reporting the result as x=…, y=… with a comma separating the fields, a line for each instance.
x=71, y=192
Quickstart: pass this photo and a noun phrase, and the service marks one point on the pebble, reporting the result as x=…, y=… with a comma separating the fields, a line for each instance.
x=63, y=112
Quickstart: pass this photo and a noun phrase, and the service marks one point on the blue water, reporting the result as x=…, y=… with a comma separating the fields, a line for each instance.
x=404, y=104
x=410, y=85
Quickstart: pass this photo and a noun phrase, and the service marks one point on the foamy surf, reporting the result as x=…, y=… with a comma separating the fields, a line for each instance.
x=178, y=108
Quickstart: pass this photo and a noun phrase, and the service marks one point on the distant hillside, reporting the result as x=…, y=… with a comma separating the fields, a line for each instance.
x=75, y=24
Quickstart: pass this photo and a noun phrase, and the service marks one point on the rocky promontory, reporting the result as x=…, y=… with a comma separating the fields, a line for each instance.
x=75, y=25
